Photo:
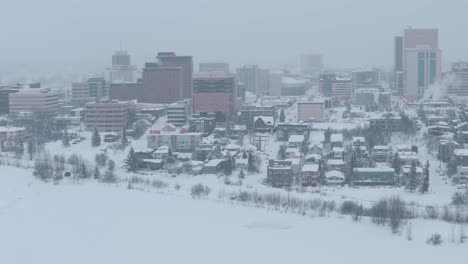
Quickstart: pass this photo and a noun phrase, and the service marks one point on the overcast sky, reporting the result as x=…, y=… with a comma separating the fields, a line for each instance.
x=270, y=33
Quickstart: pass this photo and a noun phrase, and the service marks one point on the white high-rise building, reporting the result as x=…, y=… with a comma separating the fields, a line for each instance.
x=121, y=71
x=422, y=60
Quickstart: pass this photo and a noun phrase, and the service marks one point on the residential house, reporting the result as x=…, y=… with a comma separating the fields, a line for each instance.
x=374, y=176
x=310, y=175
x=264, y=123
x=334, y=178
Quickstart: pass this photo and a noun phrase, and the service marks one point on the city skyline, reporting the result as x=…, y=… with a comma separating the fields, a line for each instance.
x=217, y=32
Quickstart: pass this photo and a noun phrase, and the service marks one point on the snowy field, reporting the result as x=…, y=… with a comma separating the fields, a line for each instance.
x=98, y=223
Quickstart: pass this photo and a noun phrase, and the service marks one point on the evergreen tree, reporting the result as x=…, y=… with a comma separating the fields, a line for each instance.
x=425, y=180
x=228, y=128
x=282, y=152
x=321, y=171
x=228, y=166
x=31, y=148
x=124, y=141
x=241, y=174
x=65, y=139
x=83, y=170
x=327, y=135
x=244, y=154
x=282, y=116
x=19, y=149
x=451, y=166
x=96, y=138
x=131, y=162
x=97, y=173
x=412, y=181
x=251, y=164
x=396, y=164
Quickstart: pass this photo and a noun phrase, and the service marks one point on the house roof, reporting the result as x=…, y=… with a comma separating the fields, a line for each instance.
x=310, y=168
x=269, y=120
x=381, y=169
x=335, y=162
x=296, y=138
x=461, y=152
x=334, y=173
x=336, y=137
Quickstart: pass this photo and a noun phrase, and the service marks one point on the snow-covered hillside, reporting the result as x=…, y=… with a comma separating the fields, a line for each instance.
x=99, y=223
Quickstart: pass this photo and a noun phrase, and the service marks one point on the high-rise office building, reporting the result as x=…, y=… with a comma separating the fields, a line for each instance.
x=398, y=75
x=311, y=63
x=214, y=67
x=5, y=98
x=36, y=101
x=460, y=85
x=325, y=83
x=214, y=94
x=185, y=63
x=421, y=61
x=163, y=85
x=121, y=71
x=89, y=90
x=249, y=75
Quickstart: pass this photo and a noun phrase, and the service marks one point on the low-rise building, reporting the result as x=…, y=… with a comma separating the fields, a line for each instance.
x=296, y=141
x=315, y=110
x=310, y=175
x=41, y=102
x=107, y=116
x=462, y=175
x=279, y=173
x=336, y=140
x=178, y=113
x=461, y=157
x=385, y=122
x=334, y=178
x=374, y=176
x=177, y=140
x=285, y=130
x=446, y=149
x=336, y=164
x=381, y=153
x=264, y=123
x=213, y=166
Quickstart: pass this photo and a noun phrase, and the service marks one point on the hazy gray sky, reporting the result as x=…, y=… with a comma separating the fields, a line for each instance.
x=270, y=33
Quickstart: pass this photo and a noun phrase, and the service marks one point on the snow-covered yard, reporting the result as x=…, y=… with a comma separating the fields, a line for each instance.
x=97, y=223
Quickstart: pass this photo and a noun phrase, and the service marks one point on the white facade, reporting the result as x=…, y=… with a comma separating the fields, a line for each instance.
x=36, y=101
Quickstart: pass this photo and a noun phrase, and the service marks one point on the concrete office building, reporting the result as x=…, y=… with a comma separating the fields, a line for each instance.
x=5, y=99
x=121, y=71
x=214, y=67
x=250, y=76
x=185, y=64
x=37, y=101
x=107, y=116
x=178, y=113
x=314, y=110
x=422, y=60
x=311, y=63
x=163, y=85
x=342, y=88
x=214, y=94
x=460, y=85
x=276, y=85
x=89, y=90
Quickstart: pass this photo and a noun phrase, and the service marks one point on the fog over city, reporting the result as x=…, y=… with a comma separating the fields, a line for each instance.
x=268, y=33
x=233, y=131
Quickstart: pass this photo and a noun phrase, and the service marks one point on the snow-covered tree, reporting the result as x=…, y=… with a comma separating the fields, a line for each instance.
x=412, y=181
x=282, y=116
x=83, y=170
x=252, y=163
x=241, y=174
x=228, y=165
x=327, y=135
x=424, y=188
x=19, y=148
x=124, y=141
x=396, y=164
x=131, y=163
x=43, y=168
x=31, y=148
x=97, y=173
x=96, y=138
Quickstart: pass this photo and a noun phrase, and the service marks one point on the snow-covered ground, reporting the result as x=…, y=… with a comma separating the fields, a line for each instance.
x=98, y=223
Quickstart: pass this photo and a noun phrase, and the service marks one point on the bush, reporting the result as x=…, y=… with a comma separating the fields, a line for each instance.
x=431, y=212
x=393, y=210
x=199, y=190
x=348, y=207
x=101, y=159
x=435, y=239
x=459, y=199
x=158, y=184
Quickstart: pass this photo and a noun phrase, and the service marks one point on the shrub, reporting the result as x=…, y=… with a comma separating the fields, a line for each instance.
x=435, y=239
x=199, y=190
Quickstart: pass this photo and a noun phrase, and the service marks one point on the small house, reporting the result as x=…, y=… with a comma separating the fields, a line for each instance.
x=310, y=175
x=213, y=166
x=279, y=173
x=264, y=123
x=374, y=176
x=381, y=153
x=334, y=178
x=335, y=164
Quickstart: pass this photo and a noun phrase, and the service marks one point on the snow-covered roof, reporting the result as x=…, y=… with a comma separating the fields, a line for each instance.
x=337, y=150
x=336, y=137
x=312, y=156
x=213, y=162
x=269, y=120
x=156, y=161
x=381, y=147
x=461, y=152
x=359, y=139
x=232, y=147
x=249, y=147
x=334, y=173
x=296, y=138
x=11, y=129
x=310, y=168
x=293, y=150
x=380, y=169
x=335, y=162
